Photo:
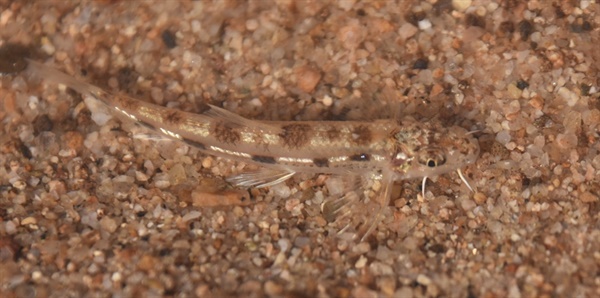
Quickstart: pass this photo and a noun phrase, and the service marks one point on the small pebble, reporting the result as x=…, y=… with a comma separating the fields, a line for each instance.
x=479, y=198
x=566, y=141
x=73, y=140
x=177, y=174
x=537, y=102
x=10, y=227
x=28, y=221
x=192, y=215
x=252, y=24
x=272, y=288
x=169, y=39
x=361, y=262
x=307, y=78
x=514, y=91
x=588, y=197
x=503, y=137
x=327, y=100
x=351, y=35
x=461, y=5
x=42, y=123
x=423, y=280
x=407, y=30
x=223, y=198
x=468, y=205
x=108, y=224
x=424, y=24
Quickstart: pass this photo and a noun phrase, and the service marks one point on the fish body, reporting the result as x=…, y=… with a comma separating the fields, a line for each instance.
x=387, y=150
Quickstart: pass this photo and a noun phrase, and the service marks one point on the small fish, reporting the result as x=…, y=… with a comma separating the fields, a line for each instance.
x=382, y=150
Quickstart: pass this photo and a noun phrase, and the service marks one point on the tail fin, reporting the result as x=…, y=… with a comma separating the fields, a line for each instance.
x=53, y=75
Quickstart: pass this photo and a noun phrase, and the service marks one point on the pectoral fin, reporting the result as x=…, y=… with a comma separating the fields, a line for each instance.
x=260, y=178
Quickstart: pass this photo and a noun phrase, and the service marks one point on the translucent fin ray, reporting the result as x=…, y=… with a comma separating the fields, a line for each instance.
x=385, y=195
x=260, y=178
x=338, y=209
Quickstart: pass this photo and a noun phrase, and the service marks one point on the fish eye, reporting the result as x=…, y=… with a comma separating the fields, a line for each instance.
x=432, y=159
x=431, y=163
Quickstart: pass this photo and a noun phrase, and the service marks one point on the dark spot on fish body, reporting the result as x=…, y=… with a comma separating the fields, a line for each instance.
x=333, y=133
x=194, y=144
x=225, y=133
x=360, y=157
x=127, y=103
x=295, y=135
x=321, y=162
x=174, y=117
x=264, y=159
x=146, y=125
x=362, y=135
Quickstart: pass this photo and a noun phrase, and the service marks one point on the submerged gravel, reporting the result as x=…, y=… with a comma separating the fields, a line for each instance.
x=89, y=208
